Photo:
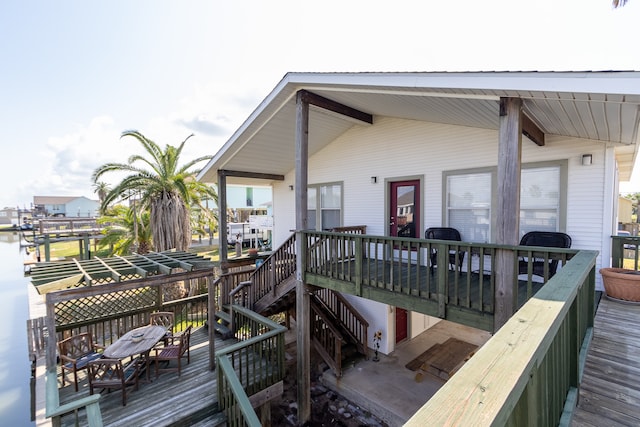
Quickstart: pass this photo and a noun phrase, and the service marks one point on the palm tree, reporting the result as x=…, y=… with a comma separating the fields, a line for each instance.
x=101, y=189
x=161, y=186
x=125, y=232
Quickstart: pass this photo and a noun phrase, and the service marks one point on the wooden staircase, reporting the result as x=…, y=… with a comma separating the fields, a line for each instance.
x=338, y=330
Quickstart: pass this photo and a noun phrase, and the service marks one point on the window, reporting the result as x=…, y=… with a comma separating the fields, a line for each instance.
x=324, y=206
x=540, y=199
x=469, y=200
x=469, y=205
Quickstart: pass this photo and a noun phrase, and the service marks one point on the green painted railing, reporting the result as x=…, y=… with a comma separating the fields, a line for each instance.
x=250, y=366
x=624, y=252
x=529, y=373
x=54, y=410
x=447, y=279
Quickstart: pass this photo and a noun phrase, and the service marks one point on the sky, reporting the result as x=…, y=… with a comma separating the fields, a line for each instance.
x=76, y=74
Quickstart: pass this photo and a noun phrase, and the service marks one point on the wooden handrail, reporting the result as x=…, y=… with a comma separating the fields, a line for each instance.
x=346, y=314
x=401, y=272
x=263, y=351
x=538, y=353
x=54, y=410
x=327, y=338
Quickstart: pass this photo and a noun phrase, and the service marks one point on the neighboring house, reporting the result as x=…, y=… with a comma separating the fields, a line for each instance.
x=13, y=216
x=438, y=137
x=71, y=207
x=625, y=210
x=244, y=201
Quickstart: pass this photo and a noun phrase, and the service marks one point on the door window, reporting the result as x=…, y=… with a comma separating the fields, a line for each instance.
x=404, y=211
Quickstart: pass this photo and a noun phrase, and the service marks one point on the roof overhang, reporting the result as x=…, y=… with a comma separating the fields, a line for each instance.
x=600, y=106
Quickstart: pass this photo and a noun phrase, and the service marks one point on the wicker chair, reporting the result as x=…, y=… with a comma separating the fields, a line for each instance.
x=111, y=374
x=75, y=353
x=444, y=233
x=547, y=239
x=176, y=350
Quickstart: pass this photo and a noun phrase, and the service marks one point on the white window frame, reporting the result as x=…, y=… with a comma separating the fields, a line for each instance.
x=560, y=209
x=317, y=188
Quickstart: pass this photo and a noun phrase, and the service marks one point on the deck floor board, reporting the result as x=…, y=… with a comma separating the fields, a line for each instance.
x=166, y=400
x=610, y=390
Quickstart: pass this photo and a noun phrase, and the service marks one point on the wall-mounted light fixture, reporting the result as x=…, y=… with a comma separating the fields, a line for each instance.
x=291, y=187
x=587, y=159
x=374, y=179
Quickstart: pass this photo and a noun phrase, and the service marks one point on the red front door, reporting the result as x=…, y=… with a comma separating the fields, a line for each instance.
x=401, y=324
x=404, y=221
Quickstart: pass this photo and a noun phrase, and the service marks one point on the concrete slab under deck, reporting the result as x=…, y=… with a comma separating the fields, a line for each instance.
x=389, y=390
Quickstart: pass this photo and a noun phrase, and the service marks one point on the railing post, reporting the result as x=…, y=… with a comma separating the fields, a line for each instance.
x=211, y=318
x=617, y=252
x=443, y=272
x=47, y=248
x=359, y=255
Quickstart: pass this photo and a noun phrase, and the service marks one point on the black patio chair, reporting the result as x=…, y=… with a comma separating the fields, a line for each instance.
x=444, y=233
x=547, y=239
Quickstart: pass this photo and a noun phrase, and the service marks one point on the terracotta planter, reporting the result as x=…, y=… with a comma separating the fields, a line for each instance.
x=622, y=284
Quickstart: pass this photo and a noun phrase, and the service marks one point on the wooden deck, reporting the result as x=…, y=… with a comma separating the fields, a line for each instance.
x=610, y=390
x=168, y=400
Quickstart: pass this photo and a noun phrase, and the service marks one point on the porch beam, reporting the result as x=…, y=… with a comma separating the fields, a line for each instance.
x=336, y=107
x=508, y=205
x=244, y=174
x=532, y=131
x=303, y=307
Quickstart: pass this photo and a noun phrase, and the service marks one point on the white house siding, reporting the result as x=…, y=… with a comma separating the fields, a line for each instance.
x=394, y=149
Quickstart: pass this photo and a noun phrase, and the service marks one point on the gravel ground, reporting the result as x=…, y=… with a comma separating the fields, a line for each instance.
x=327, y=407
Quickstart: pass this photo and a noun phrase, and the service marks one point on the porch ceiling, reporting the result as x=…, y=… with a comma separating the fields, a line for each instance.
x=601, y=106
x=54, y=276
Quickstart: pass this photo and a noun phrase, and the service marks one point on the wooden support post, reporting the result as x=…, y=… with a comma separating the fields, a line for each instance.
x=508, y=206
x=222, y=220
x=302, y=296
x=47, y=248
x=211, y=318
x=87, y=246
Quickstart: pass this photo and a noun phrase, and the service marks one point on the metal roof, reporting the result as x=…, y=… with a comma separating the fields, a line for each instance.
x=600, y=106
x=53, y=276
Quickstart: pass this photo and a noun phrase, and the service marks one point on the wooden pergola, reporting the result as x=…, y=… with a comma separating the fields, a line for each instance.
x=56, y=276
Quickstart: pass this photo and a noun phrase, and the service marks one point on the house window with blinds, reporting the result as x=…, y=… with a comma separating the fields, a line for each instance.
x=469, y=200
x=540, y=199
x=324, y=206
x=469, y=205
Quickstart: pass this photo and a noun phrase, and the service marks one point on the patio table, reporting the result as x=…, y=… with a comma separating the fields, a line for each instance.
x=127, y=346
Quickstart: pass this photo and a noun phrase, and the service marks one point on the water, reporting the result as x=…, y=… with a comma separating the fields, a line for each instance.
x=15, y=367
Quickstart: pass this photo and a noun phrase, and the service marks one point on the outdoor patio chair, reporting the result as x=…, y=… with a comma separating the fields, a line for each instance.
x=75, y=353
x=547, y=239
x=163, y=318
x=111, y=374
x=176, y=350
x=444, y=233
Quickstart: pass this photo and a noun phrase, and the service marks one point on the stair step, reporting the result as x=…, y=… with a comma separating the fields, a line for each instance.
x=217, y=419
x=222, y=330
x=224, y=316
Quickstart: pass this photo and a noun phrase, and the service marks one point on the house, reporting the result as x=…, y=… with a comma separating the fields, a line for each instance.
x=66, y=206
x=243, y=201
x=625, y=210
x=493, y=154
x=12, y=216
